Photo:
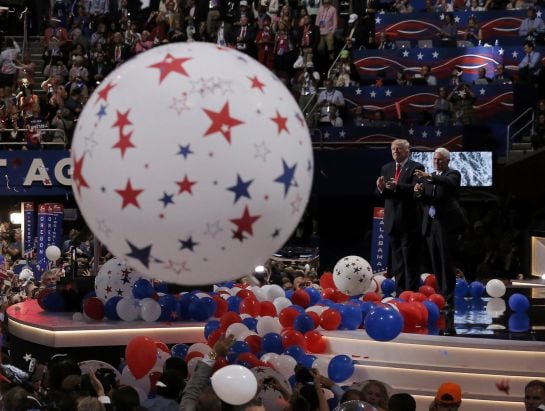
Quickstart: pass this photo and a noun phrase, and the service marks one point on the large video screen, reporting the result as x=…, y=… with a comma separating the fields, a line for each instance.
x=475, y=166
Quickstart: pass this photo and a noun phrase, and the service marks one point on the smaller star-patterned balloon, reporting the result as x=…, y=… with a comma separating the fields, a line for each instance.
x=352, y=275
x=271, y=398
x=193, y=162
x=115, y=278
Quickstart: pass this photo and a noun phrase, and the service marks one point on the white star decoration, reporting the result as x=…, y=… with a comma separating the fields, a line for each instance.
x=179, y=105
x=515, y=54
x=342, y=134
x=388, y=93
x=261, y=151
x=501, y=51
x=27, y=357
x=373, y=94
x=405, y=53
x=438, y=133
x=424, y=134
x=378, y=20
x=435, y=54
x=482, y=91
x=358, y=91
x=411, y=131
x=420, y=56
x=457, y=19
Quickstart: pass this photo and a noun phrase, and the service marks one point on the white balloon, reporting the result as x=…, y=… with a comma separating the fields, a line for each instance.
x=387, y=299
x=318, y=309
x=115, y=278
x=284, y=364
x=128, y=309
x=142, y=384
x=200, y=347
x=280, y=303
x=162, y=356
x=259, y=293
x=267, y=325
x=202, y=295
x=495, y=288
x=236, y=329
x=150, y=310
x=423, y=276
x=373, y=287
x=269, y=357
x=242, y=336
x=352, y=275
x=219, y=188
x=321, y=364
x=379, y=279
x=234, y=384
x=53, y=253
x=495, y=307
x=274, y=291
x=244, y=315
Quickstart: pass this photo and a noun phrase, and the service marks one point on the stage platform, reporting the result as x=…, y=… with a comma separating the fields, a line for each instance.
x=475, y=348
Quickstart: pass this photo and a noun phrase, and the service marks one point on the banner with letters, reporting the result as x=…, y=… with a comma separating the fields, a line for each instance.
x=28, y=234
x=379, y=243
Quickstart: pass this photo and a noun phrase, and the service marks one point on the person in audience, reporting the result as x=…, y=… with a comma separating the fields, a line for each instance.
x=375, y=393
x=384, y=42
x=344, y=73
x=358, y=117
x=326, y=20
x=532, y=27
x=501, y=77
x=402, y=6
x=425, y=74
x=473, y=32
x=334, y=118
x=462, y=99
x=328, y=98
x=355, y=34
x=428, y=7
x=447, y=398
x=476, y=5
x=538, y=138
x=515, y=5
x=442, y=110
x=443, y=220
x=481, y=77
x=448, y=31
x=530, y=66
x=402, y=402
x=534, y=395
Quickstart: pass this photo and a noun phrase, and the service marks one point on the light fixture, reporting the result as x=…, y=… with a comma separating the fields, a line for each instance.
x=260, y=269
x=16, y=218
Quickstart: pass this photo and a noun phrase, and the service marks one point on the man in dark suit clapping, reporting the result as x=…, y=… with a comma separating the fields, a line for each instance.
x=401, y=217
x=443, y=218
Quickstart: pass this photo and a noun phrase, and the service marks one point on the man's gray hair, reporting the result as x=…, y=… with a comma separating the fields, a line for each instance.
x=444, y=152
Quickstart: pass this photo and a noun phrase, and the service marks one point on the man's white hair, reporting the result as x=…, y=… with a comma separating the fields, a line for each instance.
x=444, y=152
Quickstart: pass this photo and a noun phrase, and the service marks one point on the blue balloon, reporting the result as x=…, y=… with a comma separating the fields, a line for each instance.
x=289, y=294
x=433, y=312
x=340, y=368
x=325, y=303
x=388, y=286
x=519, y=303
x=236, y=349
x=519, y=322
x=198, y=310
x=168, y=307
x=476, y=289
x=461, y=306
x=306, y=360
x=303, y=323
x=314, y=294
x=53, y=302
x=179, y=350
x=300, y=309
x=210, y=327
x=142, y=288
x=383, y=323
x=182, y=306
x=272, y=342
x=244, y=364
x=210, y=304
x=293, y=381
x=462, y=288
x=251, y=323
x=110, y=311
x=477, y=304
x=233, y=304
x=161, y=287
x=365, y=308
x=351, y=317
x=294, y=351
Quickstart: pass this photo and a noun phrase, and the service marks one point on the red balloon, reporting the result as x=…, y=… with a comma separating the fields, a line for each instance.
x=287, y=316
x=94, y=308
x=328, y=293
x=193, y=354
x=406, y=295
x=245, y=294
x=438, y=299
x=229, y=318
x=315, y=342
x=411, y=316
x=326, y=280
x=220, y=363
x=427, y=290
x=315, y=318
x=162, y=346
x=221, y=306
x=371, y=297
x=431, y=280
x=254, y=342
x=267, y=309
x=330, y=319
x=301, y=298
x=423, y=313
x=292, y=337
x=140, y=354
x=339, y=297
x=417, y=297
x=214, y=337
x=250, y=358
x=41, y=295
x=250, y=306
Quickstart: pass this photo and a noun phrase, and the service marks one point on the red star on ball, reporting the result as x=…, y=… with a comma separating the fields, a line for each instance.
x=77, y=175
x=256, y=83
x=122, y=120
x=129, y=195
x=281, y=122
x=222, y=122
x=245, y=222
x=103, y=94
x=124, y=143
x=185, y=185
x=170, y=64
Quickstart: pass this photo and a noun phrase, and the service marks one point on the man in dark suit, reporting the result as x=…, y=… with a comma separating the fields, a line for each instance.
x=443, y=218
x=401, y=217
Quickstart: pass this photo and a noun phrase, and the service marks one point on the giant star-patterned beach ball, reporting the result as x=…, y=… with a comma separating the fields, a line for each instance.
x=193, y=162
x=352, y=275
x=115, y=278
